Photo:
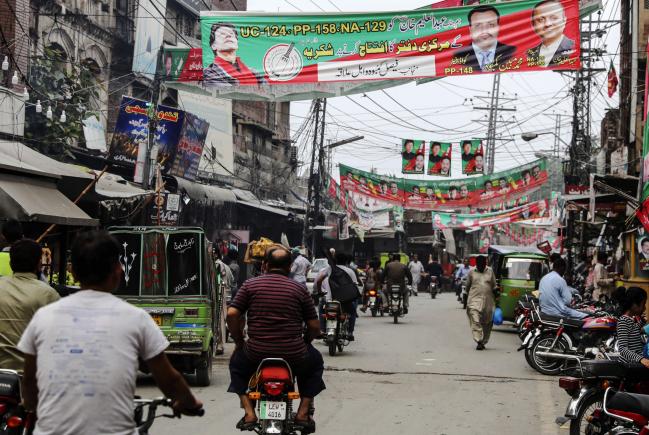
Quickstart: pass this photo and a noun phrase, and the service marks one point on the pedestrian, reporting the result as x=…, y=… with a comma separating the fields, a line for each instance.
x=21, y=295
x=602, y=283
x=12, y=231
x=481, y=303
x=629, y=326
x=82, y=352
x=416, y=269
x=300, y=266
x=232, y=261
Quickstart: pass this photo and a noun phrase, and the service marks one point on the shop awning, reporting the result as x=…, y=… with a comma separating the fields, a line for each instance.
x=113, y=186
x=204, y=192
x=15, y=156
x=38, y=200
x=266, y=208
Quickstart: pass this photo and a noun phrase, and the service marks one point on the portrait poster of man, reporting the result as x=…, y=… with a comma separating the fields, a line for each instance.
x=472, y=154
x=549, y=21
x=439, y=159
x=413, y=156
x=642, y=258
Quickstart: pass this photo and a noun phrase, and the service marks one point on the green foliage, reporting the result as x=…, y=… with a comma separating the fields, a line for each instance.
x=67, y=87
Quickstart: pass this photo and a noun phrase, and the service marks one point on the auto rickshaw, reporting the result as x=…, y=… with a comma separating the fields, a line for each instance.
x=518, y=271
x=636, y=262
x=385, y=257
x=170, y=273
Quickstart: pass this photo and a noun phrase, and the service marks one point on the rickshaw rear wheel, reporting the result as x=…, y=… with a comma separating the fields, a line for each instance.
x=204, y=372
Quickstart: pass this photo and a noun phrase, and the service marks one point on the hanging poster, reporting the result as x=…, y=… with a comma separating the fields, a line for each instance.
x=131, y=130
x=643, y=211
x=444, y=220
x=439, y=159
x=413, y=154
x=182, y=65
x=246, y=48
x=190, y=147
x=165, y=210
x=167, y=134
x=149, y=35
x=484, y=190
x=472, y=157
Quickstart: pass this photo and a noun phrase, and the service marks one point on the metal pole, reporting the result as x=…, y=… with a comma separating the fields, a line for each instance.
x=493, y=120
x=153, y=120
x=306, y=232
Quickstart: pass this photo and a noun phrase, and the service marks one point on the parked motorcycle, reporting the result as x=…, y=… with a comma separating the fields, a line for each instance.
x=396, y=303
x=273, y=391
x=629, y=411
x=586, y=390
x=337, y=324
x=563, y=340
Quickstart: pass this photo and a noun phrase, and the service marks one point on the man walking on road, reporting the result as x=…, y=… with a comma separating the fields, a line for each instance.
x=481, y=302
x=416, y=269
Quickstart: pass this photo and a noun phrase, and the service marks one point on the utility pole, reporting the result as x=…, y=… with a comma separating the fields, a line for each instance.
x=310, y=220
x=493, y=106
x=151, y=153
x=319, y=178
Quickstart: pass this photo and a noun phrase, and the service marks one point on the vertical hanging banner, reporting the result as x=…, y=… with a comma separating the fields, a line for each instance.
x=439, y=159
x=244, y=48
x=643, y=211
x=413, y=156
x=472, y=157
x=190, y=147
x=168, y=128
x=131, y=130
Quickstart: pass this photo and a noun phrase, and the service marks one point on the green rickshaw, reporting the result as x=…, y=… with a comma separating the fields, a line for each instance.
x=170, y=273
x=518, y=270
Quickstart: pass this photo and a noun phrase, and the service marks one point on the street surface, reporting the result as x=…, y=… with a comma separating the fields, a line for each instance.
x=422, y=376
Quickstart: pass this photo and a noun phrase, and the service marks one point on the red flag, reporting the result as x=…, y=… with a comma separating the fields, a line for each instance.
x=612, y=80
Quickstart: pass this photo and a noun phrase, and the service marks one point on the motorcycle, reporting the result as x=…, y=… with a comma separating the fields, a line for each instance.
x=629, y=411
x=144, y=421
x=272, y=389
x=14, y=420
x=563, y=340
x=337, y=326
x=586, y=391
x=396, y=303
x=433, y=287
x=464, y=294
x=374, y=302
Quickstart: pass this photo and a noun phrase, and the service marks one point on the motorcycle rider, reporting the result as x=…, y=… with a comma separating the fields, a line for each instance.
x=342, y=261
x=396, y=273
x=21, y=295
x=461, y=273
x=373, y=279
x=435, y=271
x=555, y=295
x=276, y=309
x=81, y=352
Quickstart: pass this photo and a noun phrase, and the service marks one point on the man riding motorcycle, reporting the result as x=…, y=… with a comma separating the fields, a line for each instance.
x=461, y=273
x=555, y=294
x=396, y=274
x=275, y=308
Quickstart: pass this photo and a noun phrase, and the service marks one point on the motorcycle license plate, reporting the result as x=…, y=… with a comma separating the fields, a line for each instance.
x=331, y=324
x=372, y=299
x=272, y=410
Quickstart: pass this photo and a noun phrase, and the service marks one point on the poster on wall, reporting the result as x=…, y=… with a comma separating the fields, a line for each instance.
x=412, y=156
x=472, y=157
x=257, y=49
x=190, y=147
x=439, y=159
x=182, y=65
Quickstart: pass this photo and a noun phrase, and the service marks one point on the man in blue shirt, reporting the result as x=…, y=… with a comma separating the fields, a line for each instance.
x=461, y=273
x=555, y=293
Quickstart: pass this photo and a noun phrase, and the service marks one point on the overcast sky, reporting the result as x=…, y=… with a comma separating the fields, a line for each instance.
x=446, y=102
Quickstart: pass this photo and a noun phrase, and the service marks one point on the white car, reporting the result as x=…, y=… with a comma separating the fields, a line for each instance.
x=316, y=267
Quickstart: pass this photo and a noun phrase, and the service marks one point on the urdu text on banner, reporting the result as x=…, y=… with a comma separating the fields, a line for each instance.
x=243, y=48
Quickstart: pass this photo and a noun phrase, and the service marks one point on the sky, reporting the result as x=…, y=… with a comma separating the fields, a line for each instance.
x=449, y=102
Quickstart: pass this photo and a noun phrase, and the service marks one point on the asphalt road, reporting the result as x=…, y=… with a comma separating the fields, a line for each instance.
x=422, y=376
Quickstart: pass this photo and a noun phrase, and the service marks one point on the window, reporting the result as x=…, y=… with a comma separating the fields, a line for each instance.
x=524, y=268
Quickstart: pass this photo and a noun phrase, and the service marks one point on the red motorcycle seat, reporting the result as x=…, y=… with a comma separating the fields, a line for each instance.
x=275, y=373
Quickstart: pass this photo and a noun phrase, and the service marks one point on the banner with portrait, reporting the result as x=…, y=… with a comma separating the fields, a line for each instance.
x=461, y=221
x=258, y=49
x=484, y=190
x=439, y=159
x=413, y=155
x=472, y=154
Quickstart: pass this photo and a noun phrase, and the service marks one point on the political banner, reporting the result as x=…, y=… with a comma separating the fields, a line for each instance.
x=451, y=220
x=165, y=210
x=248, y=48
x=484, y=190
x=190, y=147
x=642, y=212
x=472, y=157
x=131, y=130
x=167, y=134
x=413, y=154
x=182, y=65
x=439, y=159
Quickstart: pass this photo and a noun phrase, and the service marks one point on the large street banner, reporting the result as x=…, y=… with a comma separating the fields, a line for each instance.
x=168, y=128
x=472, y=157
x=131, y=130
x=182, y=65
x=190, y=147
x=444, y=220
x=643, y=211
x=497, y=188
x=413, y=155
x=439, y=159
x=244, y=48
